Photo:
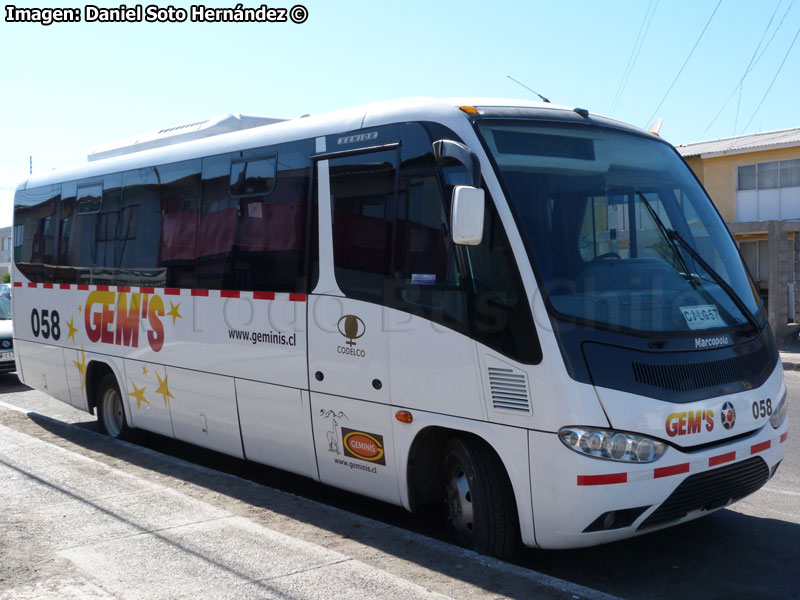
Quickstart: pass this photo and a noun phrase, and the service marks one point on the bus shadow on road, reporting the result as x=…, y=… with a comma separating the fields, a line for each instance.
x=724, y=555
x=10, y=383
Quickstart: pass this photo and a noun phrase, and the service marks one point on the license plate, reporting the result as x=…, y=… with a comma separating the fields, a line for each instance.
x=704, y=316
x=6, y=356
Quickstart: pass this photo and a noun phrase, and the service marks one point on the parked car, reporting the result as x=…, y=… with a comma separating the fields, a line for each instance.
x=5, y=290
x=6, y=337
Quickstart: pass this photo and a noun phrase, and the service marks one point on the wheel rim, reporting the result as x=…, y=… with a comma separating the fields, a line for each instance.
x=459, y=503
x=112, y=412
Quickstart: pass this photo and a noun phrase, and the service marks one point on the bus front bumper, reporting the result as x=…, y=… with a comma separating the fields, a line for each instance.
x=582, y=501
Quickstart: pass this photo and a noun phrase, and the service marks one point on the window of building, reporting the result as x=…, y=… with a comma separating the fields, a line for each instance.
x=768, y=175
x=790, y=173
x=746, y=177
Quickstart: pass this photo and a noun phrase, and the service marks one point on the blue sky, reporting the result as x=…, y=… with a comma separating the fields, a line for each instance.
x=71, y=87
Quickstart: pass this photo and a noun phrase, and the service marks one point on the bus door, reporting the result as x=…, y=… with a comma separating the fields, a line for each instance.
x=348, y=342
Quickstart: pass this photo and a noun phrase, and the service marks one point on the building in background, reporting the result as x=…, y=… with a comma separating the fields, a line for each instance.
x=6, y=249
x=754, y=180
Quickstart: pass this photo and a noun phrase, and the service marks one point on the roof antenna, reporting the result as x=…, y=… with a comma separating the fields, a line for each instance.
x=529, y=89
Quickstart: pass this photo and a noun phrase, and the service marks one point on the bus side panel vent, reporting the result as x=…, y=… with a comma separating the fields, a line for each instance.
x=509, y=389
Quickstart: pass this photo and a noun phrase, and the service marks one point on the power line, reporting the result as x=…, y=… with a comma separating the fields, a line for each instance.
x=785, y=56
x=749, y=67
x=685, y=62
x=633, y=56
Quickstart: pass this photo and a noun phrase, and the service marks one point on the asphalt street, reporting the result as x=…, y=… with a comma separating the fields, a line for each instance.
x=748, y=550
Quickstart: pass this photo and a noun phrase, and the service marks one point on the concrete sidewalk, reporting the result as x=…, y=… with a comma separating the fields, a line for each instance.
x=85, y=516
x=790, y=360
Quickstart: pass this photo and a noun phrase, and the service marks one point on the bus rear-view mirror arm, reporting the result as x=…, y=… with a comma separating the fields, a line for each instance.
x=467, y=206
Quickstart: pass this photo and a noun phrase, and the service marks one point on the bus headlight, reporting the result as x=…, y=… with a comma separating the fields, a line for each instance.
x=779, y=413
x=612, y=445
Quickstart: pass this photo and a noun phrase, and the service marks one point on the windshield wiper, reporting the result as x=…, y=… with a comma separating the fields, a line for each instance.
x=673, y=236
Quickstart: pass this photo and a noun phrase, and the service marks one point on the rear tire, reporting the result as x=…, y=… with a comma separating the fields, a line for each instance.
x=110, y=411
x=479, y=502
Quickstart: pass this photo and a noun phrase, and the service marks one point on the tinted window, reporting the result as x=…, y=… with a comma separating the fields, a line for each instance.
x=137, y=254
x=36, y=231
x=90, y=196
x=179, y=197
x=428, y=278
x=255, y=241
x=501, y=315
x=255, y=176
x=362, y=193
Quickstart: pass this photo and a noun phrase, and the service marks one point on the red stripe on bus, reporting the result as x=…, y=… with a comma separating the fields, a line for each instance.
x=147, y=290
x=264, y=295
x=721, y=459
x=123, y=288
x=199, y=292
x=47, y=286
x=172, y=291
x=760, y=447
x=602, y=479
x=83, y=286
x=31, y=284
x=102, y=288
x=229, y=294
x=297, y=297
x=669, y=471
x=17, y=284
x=784, y=436
x=65, y=286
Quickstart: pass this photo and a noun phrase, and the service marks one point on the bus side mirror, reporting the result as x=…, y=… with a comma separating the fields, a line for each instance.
x=466, y=215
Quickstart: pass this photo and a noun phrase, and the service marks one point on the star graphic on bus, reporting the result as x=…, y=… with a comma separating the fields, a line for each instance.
x=82, y=368
x=72, y=329
x=139, y=395
x=144, y=370
x=173, y=312
x=162, y=388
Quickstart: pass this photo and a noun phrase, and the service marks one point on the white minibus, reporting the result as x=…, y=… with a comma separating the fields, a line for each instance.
x=529, y=314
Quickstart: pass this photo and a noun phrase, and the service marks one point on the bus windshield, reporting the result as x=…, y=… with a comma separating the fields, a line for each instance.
x=601, y=210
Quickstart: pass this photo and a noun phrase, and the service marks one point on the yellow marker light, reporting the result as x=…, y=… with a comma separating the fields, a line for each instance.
x=470, y=110
x=403, y=416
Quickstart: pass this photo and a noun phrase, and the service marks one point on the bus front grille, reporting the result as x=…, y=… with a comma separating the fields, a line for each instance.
x=709, y=490
x=681, y=377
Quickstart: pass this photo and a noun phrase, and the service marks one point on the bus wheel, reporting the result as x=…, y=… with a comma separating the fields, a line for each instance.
x=110, y=413
x=480, y=509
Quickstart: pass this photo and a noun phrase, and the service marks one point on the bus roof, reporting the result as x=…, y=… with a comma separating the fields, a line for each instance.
x=252, y=132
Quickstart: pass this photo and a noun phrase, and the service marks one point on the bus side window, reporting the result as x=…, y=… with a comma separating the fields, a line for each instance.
x=106, y=223
x=179, y=197
x=140, y=229
x=253, y=219
x=35, y=216
x=427, y=277
x=362, y=203
x=501, y=311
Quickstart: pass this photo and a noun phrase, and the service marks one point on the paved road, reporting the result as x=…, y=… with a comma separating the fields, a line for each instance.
x=749, y=550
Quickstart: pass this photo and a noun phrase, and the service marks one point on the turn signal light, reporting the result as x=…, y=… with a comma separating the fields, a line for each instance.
x=470, y=110
x=403, y=416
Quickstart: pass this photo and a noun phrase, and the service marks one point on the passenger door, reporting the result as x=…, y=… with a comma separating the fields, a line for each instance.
x=347, y=340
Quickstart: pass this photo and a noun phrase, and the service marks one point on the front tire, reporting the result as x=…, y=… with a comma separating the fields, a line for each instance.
x=479, y=503
x=110, y=411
